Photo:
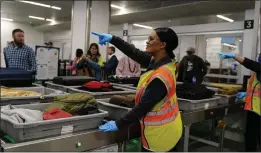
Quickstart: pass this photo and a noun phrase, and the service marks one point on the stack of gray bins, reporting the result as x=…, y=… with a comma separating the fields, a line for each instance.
x=102, y=95
x=115, y=111
x=48, y=128
x=46, y=95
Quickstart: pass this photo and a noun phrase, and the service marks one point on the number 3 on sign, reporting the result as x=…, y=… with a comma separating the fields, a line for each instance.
x=249, y=24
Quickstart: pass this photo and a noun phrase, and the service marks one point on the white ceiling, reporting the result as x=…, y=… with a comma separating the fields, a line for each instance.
x=178, y=11
x=20, y=11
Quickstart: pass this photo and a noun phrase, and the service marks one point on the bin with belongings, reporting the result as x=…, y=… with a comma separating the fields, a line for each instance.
x=65, y=114
x=26, y=95
x=226, y=91
x=124, y=80
x=63, y=82
x=101, y=89
x=195, y=96
x=117, y=106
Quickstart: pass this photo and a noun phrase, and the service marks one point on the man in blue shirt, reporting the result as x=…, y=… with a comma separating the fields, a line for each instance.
x=19, y=55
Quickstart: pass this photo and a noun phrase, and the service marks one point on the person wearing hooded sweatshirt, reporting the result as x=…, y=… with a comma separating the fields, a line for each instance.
x=192, y=67
x=252, y=99
x=156, y=102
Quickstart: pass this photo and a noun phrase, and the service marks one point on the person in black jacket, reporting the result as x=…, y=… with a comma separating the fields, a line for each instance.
x=192, y=68
x=111, y=65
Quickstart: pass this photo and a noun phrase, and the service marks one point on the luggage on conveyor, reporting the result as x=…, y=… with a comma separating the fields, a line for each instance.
x=13, y=77
x=72, y=80
x=124, y=80
x=193, y=91
x=124, y=101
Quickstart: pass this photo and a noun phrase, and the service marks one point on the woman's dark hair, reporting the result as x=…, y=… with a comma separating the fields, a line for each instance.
x=79, y=52
x=112, y=49
x=89, y=50
x=168, y=36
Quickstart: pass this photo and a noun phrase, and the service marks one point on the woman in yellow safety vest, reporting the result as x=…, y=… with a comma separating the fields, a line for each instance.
x=252, y=98
x=156, y=101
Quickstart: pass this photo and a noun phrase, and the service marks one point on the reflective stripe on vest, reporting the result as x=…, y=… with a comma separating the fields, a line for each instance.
x=157, y=118
x=253, y=94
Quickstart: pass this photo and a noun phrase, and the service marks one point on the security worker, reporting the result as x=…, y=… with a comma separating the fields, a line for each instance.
x=252, y=98
x=156, y=101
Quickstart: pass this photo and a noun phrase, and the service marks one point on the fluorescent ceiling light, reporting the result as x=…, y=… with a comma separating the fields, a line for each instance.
x=117, y=7
x=7, y=19
x=35, y=17
x=41, y=4
x=225, y=44
x=55, y=7
x=51, y=20
x=142, y=26
x=225, y=18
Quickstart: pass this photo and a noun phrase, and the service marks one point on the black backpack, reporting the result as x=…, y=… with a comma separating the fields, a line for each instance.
x=193, y=91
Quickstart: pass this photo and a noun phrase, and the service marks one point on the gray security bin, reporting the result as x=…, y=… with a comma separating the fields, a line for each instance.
x=186, y=104
x=227, y=99
x=46, y=95
x=115, y=111
x=102, y=95
x=127, y=86
x=57, y=86
x=49, y=128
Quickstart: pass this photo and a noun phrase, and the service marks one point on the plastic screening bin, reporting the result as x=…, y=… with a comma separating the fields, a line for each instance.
x=115, y=111
x=46, y=95
x=58, y=86
x=49, y=128
x=102, y=95
x=227, y=99
x=186, y=104
x=127, y=86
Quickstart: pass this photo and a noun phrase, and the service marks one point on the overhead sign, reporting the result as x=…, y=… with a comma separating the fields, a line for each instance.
x=249, y=24
x=125, y=32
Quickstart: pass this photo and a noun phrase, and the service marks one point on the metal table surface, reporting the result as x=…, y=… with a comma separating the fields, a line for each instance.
x=76, y=142
x=89, y=140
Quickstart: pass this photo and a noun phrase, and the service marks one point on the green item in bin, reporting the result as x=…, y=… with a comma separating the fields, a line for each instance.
x=133, y=145
x=6, y=137
x=73, y=103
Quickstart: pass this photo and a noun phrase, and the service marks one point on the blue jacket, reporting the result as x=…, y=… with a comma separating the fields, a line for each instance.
x=111, y=65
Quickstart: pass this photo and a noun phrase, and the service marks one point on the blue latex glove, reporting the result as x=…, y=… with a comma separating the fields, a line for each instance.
x=109, y=127
x=103, y=38
x=241, y=95
x=226, y=55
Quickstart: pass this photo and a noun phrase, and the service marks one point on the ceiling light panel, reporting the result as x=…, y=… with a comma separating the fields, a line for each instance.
x=36, y=17
x=117, y=7
x=41, y=4
x=142, y=26
x=225, y=18
x=7, y=19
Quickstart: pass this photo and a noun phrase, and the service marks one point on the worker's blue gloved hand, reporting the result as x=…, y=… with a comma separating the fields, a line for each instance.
x=226, y=55
x=103, y=38
x=109, y=127
x=241, y=95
